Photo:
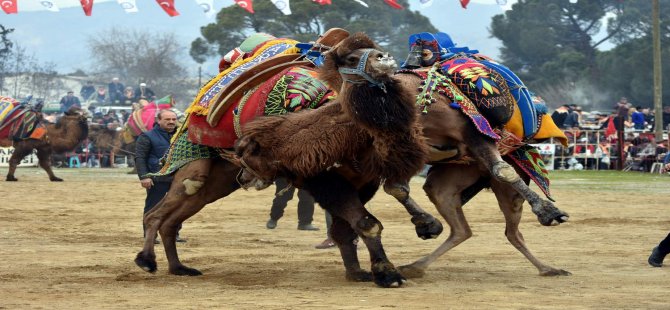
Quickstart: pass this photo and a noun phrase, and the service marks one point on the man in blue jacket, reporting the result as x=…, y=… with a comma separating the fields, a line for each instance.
x=151, y=146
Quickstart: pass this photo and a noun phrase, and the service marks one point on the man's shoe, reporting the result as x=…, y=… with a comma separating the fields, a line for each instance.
x=328, y=243
x=656, y=258
x=307, y=227
x=180, y=240
x=271, y=224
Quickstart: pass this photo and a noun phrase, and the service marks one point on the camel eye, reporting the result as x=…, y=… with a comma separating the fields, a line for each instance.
x=352, y=59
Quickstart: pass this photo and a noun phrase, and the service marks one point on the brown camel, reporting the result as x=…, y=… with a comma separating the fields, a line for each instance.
x=464, y=162
x=105, y=139
x=64, y=136
x=371, y=134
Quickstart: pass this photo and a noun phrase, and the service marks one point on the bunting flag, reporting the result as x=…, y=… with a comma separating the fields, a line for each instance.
x=464, y=3
x=246, y=4
x=322, y=2
x=207, y=7
x=49, y=5
x=9, y=6
x=283, y=6
x=87, y=5
x=426, y=3
x=362, y=3
x=395, y=5
x=168, y=7
x=129, y=6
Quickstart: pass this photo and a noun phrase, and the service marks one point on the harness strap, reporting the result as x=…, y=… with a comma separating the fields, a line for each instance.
x=360, y=71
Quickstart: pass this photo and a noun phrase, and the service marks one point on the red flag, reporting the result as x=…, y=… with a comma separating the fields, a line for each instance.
x=246, y=4
x=322, y=2
x=168, y=7
x=87, y=5
x=9, y=6
x=394, y=4
x=464, y=3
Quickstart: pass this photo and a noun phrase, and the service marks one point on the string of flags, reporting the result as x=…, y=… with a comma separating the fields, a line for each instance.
x=130, y=6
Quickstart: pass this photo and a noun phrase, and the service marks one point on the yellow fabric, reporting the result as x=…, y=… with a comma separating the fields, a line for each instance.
x=547, y=128
x=5, y=106
x=200, y=110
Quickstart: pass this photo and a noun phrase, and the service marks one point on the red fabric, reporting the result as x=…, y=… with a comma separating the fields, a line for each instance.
x=87, y=5
x=9, y=121
x=168, y=7
x=322, y=2
x=9, y=6
x=394, y=4
x=611, y=129
x=246, y=4
x=464, y=3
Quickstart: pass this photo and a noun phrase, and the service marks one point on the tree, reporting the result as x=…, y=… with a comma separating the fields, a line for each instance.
x=5, y=52
x=142, y=56
x=387, y=26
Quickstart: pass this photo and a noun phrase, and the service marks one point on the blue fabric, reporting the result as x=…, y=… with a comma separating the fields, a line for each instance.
x=638, y=118
x=160, y=143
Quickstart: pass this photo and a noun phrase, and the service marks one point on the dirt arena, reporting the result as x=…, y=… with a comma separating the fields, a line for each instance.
x=71, y=245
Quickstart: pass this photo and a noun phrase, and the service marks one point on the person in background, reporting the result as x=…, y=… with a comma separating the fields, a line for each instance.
x=87, y=91
x=560, y=115
x=329, y=242
x=637, y=117
x=283, y=193
x=101, y=95
x=115, y=91
x=659, y=252
x=144, y=92
x=69, y=101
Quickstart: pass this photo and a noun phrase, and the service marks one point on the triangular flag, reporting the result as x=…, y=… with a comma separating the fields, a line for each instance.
x=9, y=6
x=362, y=3
x=165, y=100
x=207, y=7
x=87, y=5
x=246, y=4
x=283, y=6
x=49, y=5
x=464, y=3
x=129, y=6
x=394, y=4
x=426, y=3
x=323, y=2
x=168, y=7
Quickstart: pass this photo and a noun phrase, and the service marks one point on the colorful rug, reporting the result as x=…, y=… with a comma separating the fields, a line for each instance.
x=183, y=152
x=528, y=158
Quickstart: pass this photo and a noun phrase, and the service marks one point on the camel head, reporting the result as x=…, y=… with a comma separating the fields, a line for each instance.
x=265, y=172
x=359, y=61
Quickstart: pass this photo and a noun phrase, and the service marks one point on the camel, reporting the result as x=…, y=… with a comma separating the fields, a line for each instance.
x=371, y=135
x=464, y=160
x=105, y=139
x=63, y=136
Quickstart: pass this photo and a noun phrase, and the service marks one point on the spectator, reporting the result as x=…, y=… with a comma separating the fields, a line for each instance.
x=115, y=91
x=666, y=116
x=110, y=118
x=69, y=101
x=637, y=117
x=572, y=118
x=124, y=116
x=659, y=252
x=101, y=95
x=128, y=96
x=648, y=118
x=87, y=91
x=329, y=242
x=144, y=92
x=560, y=115
x=305, y=206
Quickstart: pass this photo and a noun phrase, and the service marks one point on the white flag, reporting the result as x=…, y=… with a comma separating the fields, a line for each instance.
x=50, y=5
x=129, y=6
x=207, y=6
x=362, y=3
x=282, y=5
x=426, y=3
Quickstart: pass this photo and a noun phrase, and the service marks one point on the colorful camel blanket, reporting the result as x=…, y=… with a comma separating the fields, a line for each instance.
x=528, y=158
x=144, y=119
x=17, y=122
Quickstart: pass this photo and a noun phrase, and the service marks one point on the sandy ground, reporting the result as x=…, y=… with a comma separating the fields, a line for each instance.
x=71, y=245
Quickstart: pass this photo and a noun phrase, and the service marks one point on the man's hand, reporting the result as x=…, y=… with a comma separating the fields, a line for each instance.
x=147, y=183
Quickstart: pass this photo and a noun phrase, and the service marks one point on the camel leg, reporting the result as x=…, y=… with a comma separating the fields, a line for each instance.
x=44, y=157
x=194, y=186
x=444, y=186
x=343, y=201
x=511, y=204
x=15, y=160
x=426, y=225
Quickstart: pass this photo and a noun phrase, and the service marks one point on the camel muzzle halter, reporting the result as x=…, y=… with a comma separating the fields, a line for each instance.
x=360, y=71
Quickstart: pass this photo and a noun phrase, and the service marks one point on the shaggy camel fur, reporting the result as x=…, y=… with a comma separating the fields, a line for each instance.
x=367, y=138
x=448, y=185
x=64, y=136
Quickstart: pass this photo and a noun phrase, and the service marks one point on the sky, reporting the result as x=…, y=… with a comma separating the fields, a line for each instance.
x=61, y=37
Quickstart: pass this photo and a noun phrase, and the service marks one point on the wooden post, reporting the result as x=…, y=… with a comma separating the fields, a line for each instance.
x=658, y=90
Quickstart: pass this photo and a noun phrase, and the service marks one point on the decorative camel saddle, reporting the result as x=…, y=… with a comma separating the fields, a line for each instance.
x=143, y=118
x=19, y=121
x=263, y=76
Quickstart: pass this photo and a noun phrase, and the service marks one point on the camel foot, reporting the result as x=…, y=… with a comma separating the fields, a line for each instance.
x=555, y=272
x=359, y=275
x=427, y=226
x=147, y=264
x=182, y=270
x=411, y=272
x=11, y=178
x=549, y=215
x=385, y=275
x=55, y=179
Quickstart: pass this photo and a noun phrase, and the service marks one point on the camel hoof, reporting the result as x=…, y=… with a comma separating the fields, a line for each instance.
x=549, y=215
x=427, y=227
x=147, y=264
x=55, y=179
x=389, y=278
x=359, y=276
x=411, y=272
x=555, y=273
x=185, y=271
x=11, y=178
